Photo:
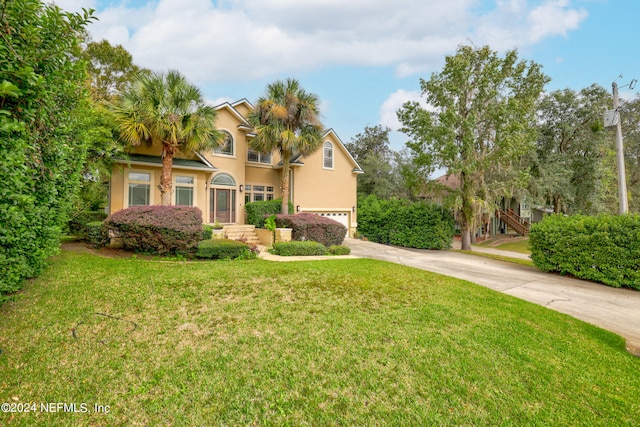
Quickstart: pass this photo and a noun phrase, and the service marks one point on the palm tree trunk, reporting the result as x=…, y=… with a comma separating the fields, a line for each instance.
x=285, y=182
x=165, y=177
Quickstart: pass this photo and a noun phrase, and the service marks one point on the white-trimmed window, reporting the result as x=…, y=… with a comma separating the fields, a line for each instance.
x=256, y=193
x=139, y=188
x=327, y=160
x=226, y=148
x=257, y=157
x=184, y=186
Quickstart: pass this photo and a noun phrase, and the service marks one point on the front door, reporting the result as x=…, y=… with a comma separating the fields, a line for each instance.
x=223, y=205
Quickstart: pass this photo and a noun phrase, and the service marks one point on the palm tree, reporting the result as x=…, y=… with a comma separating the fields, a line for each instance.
x=286, y=120
x=166, y=110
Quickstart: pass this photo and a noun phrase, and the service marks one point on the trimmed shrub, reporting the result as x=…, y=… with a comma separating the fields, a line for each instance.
x=78, y=222
x=298, y=248
x=307, y=226
x=157, y=229
x=603, y=248
x=207, y=232
x=257, y=212
x=339, y=250
x=97, y=234
x=222, y=249
x=404, y=223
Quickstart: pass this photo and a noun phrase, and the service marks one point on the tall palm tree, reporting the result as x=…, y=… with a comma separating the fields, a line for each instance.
x=286, y=120
x=166, y=110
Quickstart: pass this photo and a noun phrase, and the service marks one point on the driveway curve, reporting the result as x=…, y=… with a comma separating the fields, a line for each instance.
x=616, y=310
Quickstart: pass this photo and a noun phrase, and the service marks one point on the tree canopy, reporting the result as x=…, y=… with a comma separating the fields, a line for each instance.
x=166, y=110
x=479, y=125
x=286, y=119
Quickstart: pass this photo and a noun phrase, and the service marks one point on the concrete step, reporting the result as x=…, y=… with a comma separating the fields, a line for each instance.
x=241, y=232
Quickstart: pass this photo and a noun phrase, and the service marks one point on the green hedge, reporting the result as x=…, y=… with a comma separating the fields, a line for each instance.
x=257, y=212
x=223, y=249
x=97, y=234
x=207, y=232
x=405, y=223
x=78, y=222
x=602, y=248
x=338, y=250
x=297, y=248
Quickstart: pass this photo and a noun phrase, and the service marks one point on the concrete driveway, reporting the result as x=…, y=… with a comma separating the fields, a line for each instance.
x=617, y=310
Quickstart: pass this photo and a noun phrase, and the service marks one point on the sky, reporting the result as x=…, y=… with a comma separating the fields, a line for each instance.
x=365, y=58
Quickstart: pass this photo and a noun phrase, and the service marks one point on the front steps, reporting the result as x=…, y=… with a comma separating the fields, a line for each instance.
x=241, y=232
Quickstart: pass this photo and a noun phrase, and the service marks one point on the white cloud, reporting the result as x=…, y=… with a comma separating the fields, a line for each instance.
x=389, y=108
x=247, y=39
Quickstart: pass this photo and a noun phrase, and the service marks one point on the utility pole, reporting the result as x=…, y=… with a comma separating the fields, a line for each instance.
x=622, y=181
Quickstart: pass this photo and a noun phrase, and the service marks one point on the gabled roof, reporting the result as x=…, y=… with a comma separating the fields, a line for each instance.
x=356, y=168
x=242, y=101
x=243, y=121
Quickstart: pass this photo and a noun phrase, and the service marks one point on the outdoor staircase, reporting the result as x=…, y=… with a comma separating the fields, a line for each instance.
x=241, y=232
x=514, y=221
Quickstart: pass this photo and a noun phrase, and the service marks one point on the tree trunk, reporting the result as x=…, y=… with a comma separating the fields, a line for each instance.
x=165, y=177
x=285, y=182
x=556, y=204
x=466, y=236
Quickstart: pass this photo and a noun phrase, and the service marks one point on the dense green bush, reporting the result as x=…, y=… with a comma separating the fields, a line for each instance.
x=298, y=248
x=307, y=226
x=338, y=250
x=207, y=232
x=157, y=229
x=78, y=222
x=258, y=211
x=602, y=248
x=97, y=234
x=43, y=112
x=405, y=223
x=223, y=249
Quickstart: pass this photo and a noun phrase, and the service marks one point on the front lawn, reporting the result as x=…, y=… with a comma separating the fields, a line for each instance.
x=340, y=342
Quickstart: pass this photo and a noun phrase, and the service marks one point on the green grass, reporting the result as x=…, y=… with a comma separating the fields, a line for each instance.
x=526, y=262
x=521, y=246
x=340, y=342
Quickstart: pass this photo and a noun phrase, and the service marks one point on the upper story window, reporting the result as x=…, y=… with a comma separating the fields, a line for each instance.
x=257, y=157
x=328, y=156
x=139, y=189
x=227, y=146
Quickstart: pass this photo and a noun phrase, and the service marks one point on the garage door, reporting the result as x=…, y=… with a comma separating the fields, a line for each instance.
x=341, y=217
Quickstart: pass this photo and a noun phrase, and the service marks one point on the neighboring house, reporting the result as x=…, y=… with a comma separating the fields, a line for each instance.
x=221, y=182
x=511, y=215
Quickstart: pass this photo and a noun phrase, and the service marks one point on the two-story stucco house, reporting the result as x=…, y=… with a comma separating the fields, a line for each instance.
x=222, y=181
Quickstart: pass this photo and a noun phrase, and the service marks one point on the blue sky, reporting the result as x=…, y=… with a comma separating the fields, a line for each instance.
x=364, y=58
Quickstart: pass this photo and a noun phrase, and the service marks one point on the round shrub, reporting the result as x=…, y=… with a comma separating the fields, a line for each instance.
x=97, y=234
x=339, y=250
x=297, y=248
x=157, y=229
x=308, y=226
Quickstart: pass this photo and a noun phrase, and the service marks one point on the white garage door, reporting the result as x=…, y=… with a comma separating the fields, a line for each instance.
x=341, y=217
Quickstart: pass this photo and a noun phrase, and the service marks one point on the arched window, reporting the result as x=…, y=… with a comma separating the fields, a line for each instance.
x=226, y=147
x=223, y=179
x=328, y=155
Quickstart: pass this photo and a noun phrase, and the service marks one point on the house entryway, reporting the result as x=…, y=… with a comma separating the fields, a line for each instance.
x=223, y=206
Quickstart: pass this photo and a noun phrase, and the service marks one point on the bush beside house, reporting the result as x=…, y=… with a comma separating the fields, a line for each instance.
x=307, y=226
x=602, y=248
x=223, y=249
x=405, y=223
x=157, y=229
x=257, y=212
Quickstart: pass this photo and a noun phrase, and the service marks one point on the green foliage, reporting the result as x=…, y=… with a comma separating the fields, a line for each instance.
x=97, y=234
x=157, y=229
x=307, y=226
x=286, y=119
x=338, y=250
x=405, y=223
x=480, y=126
x=257, y=212
x=79, y=220
x=43, y=105
x=222, y=249
x=207, y=232
x=299, y=248
x=604, y=248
